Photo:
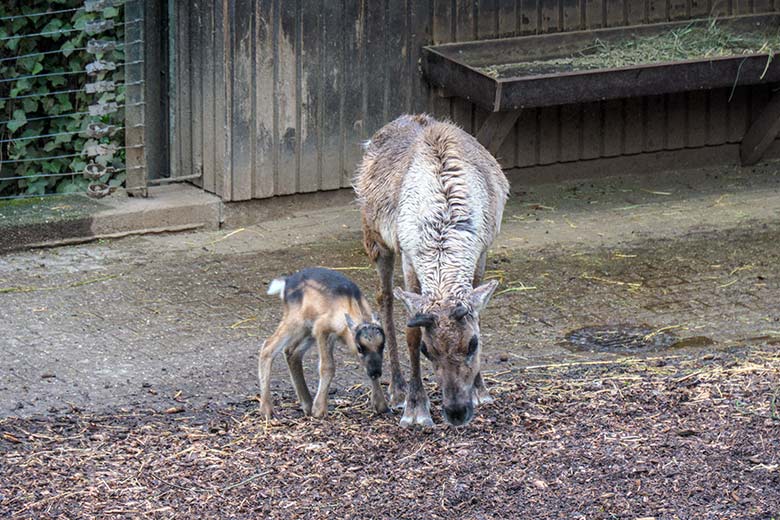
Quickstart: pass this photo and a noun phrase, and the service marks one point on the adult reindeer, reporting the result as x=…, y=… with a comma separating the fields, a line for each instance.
x=431, y=192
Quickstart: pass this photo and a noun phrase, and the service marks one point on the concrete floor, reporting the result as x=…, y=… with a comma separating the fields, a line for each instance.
x=176, y=320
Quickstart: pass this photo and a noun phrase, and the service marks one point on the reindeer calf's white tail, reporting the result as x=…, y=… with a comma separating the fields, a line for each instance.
x=277, y=287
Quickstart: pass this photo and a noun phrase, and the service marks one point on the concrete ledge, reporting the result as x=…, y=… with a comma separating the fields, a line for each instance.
x=77, y=218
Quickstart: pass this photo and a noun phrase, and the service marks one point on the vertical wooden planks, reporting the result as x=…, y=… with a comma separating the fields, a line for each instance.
x=738, y=113
x=549, y=16
x=309, y=72
x=529, y=14
x=508, y=18
x=242, y=113
x=397, y=84
x=612, y=127
x=263, y=173
x=421, y=27
x=331, y=102
x=353, y=59
x=508, y=25
x=223, y=99
x=595, y=14
x=184, y=86
x=697, y=118
x=527, y=144
x=195, y=21
x=375, y=74
x=678, y=9
x=655, y=123
x=615, y=12
x=676, y=121
x=465, y=30
x=570, y=116
x=718, y=122
x=210, y=94
x=656, y=11
x=443, y=32
x=591, y=130
x=286, y=55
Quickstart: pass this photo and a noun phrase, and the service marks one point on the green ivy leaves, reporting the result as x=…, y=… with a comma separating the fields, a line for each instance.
x=32, y=57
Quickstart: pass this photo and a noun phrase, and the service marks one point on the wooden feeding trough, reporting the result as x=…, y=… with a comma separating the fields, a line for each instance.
x=507, y=75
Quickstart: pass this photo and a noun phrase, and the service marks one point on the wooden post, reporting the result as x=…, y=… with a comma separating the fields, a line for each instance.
x=495, y=129
x=761, y=132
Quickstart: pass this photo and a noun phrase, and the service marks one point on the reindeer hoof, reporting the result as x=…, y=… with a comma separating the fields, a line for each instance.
x=416, y=416
x=306, y=409
x=319, y=412
x=267, y=411
x=482, y=397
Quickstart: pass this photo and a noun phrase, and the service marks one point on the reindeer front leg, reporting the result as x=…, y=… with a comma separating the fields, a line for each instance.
x=481, y=393
x=417, y=408
x=327, y=371
x=385, y=262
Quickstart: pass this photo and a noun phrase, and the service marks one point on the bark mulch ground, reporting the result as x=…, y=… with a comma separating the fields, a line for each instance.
x=673, y=437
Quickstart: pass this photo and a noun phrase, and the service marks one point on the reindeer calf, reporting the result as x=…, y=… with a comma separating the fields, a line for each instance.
x=324, y=307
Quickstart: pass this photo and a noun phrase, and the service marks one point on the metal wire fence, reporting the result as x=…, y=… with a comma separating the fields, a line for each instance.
x=71, y=78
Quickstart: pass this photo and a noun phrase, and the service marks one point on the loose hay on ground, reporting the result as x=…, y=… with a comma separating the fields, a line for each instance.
x=668, y=438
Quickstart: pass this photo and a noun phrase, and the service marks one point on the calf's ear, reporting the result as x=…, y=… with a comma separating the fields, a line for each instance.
x=481, y=295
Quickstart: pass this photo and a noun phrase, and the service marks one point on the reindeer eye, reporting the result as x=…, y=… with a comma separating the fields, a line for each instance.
x=473, y=344
x=360, y=348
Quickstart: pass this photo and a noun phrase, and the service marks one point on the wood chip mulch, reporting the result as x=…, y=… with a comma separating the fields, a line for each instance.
x=653, y=438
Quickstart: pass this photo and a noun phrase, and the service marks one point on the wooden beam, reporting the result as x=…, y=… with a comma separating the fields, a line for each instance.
x=495, y=129
x=762, y=132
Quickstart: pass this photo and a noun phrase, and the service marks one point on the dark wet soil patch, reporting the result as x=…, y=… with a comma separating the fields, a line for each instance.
x=620, y=338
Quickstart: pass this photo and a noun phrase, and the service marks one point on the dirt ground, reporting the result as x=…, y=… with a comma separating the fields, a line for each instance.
x=128, y=385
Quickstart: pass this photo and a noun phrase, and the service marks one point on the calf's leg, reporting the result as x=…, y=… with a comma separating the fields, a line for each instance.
x=327, y=371
x=285, y=334
x=294, y=356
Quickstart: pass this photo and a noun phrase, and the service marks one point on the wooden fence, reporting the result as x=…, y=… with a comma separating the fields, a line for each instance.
x=273, y=97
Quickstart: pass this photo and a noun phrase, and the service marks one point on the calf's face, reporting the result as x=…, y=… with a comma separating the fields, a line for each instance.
x=370, y=344
x=451, y=341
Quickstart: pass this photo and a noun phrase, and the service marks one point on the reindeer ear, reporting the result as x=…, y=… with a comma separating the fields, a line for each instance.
x=413, y=302
x=481, y=295
x=351, y=324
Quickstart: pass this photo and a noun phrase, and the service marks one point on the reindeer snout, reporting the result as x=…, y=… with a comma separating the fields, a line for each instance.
x=459, y=415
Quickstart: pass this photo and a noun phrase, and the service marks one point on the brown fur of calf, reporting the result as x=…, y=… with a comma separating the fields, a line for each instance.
x=325, y=308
